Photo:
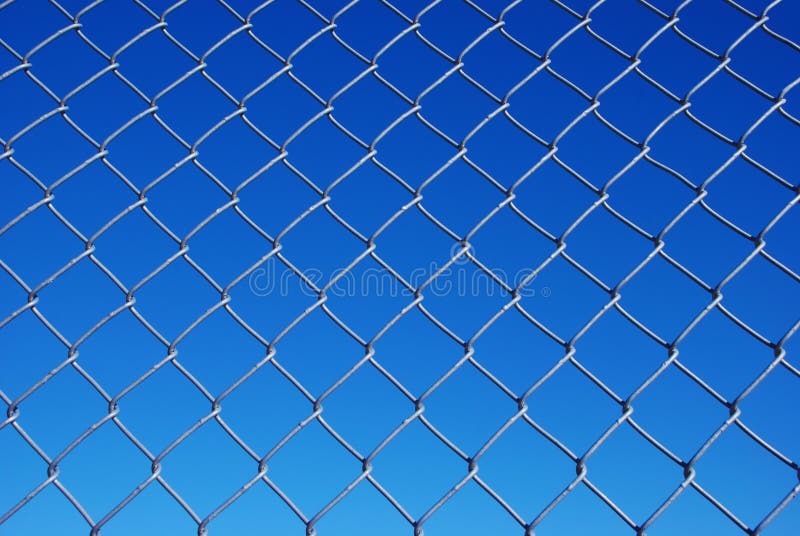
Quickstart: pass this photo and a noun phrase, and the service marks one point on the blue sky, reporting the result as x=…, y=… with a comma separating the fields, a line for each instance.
x=182, y=183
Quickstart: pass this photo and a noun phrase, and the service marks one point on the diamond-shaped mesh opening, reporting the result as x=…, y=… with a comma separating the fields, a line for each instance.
x=236, y=152
x=134, y=61
x=480, y=296
x=271, y=28
x=595, y=410
x=469, y=423
x=225, y=259
x=272, y=296
x=767, y=408
x=366, y=408
x=452, y=26
x=145, y=135
x=458, y=103
x=519, y=361
x=766, y=478
x=129, y=21
x=421, y=262
x=137, y=407
x=362, y=509
x=280, y=123
x=649, y=197
x=502, y=161
x=20, y=374
x=411, y=66
x=633, y=473
x=538, y=25
x=61, y=410
x=367, y=298
x=688, y=160
x=385, y=26
x=225, y=68
x=48, y=511
x=313, y=456
x=731, y=362
x=275, y=198
x=320, y=243
x=266, y=394
x=416, y=451
x=176, y=107
x=520, y=457
x=621, y=243
x=259, y=506
x=325, y=66
x=691, y=509
x=318, y=353
x=462, y=211
x=229, y=469
x=582, y=146
x=22, y=467
x=711, y=104
x=618, y=353
x=768, y=154
x=65, y=147
x=153, y=499
x=414, y=367
x=368, y=124
x=727, y=250
x=163, y=197
x=69, y=47
x=60, y=246
x=22, y=102
x=635, y=106
x=120, y=353
x=451, y=267
x=594, y=513
x=586, y=62
x=753, y=213
x=512, y=266
x=323, y=153
x=22, y=37
x=695, y=413
x=608, y=21
x=134, y=247
x=499, y=77
x=759, y=311
x=220, y=353
x=485, y=514
x=198, y=296
x=657, y=62
x=733, y=23
x=553, y=198
x=201, y=25
x=680, y=298
x=546, y=117
x=99, y=455
x=431, y=151
x=558, y=285
x=82, y=211
x=387, y=198
x=83, y=283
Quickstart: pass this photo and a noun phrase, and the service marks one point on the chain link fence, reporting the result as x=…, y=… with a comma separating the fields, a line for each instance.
x=59, y=63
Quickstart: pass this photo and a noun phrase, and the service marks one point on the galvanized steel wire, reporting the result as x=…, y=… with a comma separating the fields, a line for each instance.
x=26, y=64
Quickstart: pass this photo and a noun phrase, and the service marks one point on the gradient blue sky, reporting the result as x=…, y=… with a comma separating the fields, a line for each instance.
x=417, y=468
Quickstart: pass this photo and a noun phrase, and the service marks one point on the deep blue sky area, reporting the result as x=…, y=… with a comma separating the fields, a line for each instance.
x=312, y=266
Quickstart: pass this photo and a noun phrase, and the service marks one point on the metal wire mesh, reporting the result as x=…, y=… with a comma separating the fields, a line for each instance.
x=245, y=24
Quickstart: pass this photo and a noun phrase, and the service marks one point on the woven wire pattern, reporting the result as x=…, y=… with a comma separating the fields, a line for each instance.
x=76, y=22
